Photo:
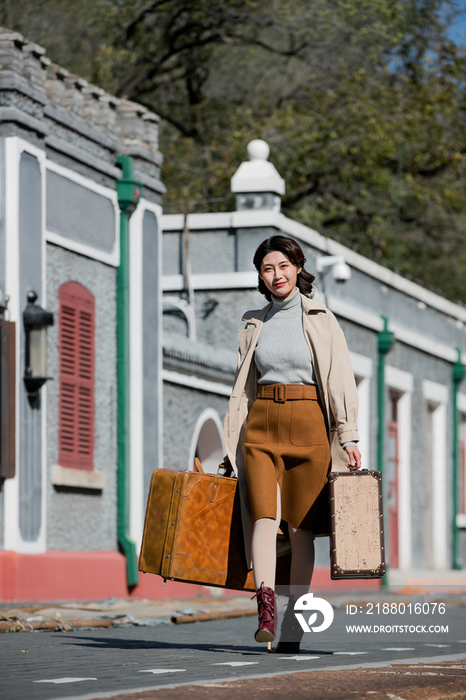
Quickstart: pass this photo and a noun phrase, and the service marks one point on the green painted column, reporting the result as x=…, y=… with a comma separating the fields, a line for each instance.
x=458, y=374
x=384, y=343
x=128, y=191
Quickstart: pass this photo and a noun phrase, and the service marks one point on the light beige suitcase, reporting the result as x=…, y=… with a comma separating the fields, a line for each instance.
x=357, y=547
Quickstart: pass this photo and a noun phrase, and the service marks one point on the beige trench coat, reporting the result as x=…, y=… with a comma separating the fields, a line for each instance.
x=335, y=381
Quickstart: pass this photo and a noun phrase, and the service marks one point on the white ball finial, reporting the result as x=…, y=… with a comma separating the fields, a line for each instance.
x=257, y=174
x=258, y=150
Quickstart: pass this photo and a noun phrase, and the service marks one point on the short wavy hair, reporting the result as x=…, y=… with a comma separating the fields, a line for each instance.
x=295, y=255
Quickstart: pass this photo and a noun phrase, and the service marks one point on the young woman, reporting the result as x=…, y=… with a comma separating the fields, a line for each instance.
x=291, y=415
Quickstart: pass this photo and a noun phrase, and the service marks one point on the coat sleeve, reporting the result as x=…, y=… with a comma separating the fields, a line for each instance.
x=343, y=395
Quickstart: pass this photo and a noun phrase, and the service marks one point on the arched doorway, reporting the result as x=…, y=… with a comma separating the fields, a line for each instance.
x=207, y=441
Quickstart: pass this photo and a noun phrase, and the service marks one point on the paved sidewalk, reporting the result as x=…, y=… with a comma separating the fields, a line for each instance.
x=67, y=616
x=132, y=659
x=445, y=680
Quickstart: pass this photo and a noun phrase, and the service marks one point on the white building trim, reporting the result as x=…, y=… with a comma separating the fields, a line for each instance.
x=362, y=368
x=136, y=391
x=398, y=379
x=420, y=342
x=461, y=406
x=461, y=402
x=403, y=335
x=110, y=258
x=210, y=465
x=402, y=381
x=268, y=218
x=193, y=382
x=14, y=147
x=136, y=384
x=434, y=392
x=355, y=314
x=212, y=280
x=437, y=395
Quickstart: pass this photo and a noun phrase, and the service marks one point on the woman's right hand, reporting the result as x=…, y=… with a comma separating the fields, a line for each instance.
x=354, y=457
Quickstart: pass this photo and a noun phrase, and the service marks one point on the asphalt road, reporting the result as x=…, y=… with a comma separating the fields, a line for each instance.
x=55, y=665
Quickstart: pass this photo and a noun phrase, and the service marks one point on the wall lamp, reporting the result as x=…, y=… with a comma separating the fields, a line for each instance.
x=341, y=271
x=36, y=320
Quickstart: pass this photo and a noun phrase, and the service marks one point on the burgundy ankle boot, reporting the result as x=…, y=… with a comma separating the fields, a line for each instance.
x=267, y=610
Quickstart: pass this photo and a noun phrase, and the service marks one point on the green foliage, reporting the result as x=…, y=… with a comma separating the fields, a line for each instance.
x=361, y=101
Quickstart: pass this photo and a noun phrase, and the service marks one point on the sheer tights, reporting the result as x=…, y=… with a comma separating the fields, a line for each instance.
x=264, y=536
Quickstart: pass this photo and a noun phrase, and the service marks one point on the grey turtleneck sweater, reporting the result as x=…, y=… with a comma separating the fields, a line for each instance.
x=282, y=353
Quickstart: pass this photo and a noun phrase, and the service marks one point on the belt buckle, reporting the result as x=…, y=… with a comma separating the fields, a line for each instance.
x=279, y=393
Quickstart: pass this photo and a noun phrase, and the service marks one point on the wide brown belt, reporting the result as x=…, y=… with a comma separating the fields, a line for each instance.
x=287, y=392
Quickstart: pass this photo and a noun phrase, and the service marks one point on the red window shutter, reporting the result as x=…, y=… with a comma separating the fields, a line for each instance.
x=76, y=331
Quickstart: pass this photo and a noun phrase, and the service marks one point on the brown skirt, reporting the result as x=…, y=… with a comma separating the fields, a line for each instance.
x=286, y=443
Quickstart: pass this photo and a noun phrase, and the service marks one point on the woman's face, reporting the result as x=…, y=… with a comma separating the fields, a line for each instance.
x=279, y=274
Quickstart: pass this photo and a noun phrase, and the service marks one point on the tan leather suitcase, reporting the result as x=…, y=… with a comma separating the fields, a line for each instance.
x=357, y=533
x=193, y=531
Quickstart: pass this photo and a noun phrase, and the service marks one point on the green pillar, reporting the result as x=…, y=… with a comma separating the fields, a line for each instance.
x=128, y=191
x=458, y=374
x=385, y=342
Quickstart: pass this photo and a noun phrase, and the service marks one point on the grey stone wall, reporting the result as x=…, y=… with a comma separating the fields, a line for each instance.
x=212, y=252
x=209, y=251
x=462, y=546
x=363, y=341
x=82, y=519
x=182, y=407
x=78, y=213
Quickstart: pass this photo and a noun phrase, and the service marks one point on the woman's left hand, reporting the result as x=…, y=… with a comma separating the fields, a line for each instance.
x=354, y=456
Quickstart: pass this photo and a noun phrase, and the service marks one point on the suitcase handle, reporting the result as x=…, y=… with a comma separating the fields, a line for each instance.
x=198, y=465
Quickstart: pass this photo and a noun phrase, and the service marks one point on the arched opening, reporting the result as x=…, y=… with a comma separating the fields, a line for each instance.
x=207, y=442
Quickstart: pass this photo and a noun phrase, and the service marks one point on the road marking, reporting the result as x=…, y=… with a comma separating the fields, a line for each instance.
x=163, y=670
x=398, y=649
x=301, y=657
x=57, y=681
x=235, y=663
x=349, y=653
